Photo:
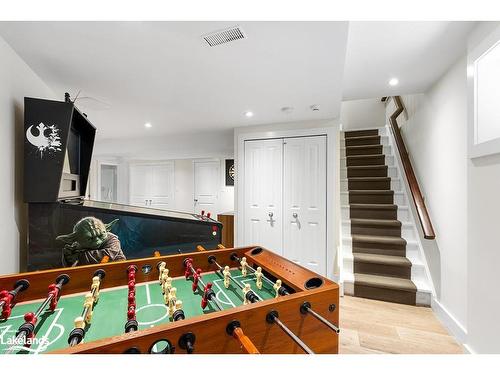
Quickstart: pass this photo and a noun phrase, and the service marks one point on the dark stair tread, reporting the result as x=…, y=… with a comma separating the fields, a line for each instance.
x=367, y=167
x=360, y=133
x=385, y=282
x=373, y=206
x=388, y=260
x=369, y=156
x=368, y=179
x=382, y=240
x=376, y=222
x=359, y=137
x=364, y=146
x=375, y=192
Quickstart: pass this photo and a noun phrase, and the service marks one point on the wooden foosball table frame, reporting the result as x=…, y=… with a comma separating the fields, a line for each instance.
x=210, y=329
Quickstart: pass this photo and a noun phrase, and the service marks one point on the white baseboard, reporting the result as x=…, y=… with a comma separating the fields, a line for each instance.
x=454, y=327
x=468, y=349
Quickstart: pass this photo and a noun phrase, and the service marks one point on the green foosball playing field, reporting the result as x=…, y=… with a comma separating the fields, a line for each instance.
x=110, y=312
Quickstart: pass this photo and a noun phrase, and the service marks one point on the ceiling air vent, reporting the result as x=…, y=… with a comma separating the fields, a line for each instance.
x=224, y=36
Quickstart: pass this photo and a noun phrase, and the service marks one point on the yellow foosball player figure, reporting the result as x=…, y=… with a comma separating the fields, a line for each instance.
x=258, y=278
x=166, y=282
x=244, y=265
x=172, y=299
x=161, y=268
x=164, y=276
x=167, y=287
x=277, y=287
x=226, y=274
x=88, y=305
x=245, y=291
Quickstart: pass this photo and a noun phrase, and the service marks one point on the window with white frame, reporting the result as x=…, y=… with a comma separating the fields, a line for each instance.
x=487, y=95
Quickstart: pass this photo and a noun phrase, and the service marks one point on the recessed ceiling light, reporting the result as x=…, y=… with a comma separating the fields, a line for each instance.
x=148, y=125
x=314, y=107
x=393, y=81
x=248, y=114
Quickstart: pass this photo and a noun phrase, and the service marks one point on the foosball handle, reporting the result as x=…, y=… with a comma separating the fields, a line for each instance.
x=186, y=342
x=234, y=329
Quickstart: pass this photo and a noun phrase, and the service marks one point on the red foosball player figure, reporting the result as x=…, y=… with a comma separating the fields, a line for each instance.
x=8, y=298
x=208, y=294
x=196, y=279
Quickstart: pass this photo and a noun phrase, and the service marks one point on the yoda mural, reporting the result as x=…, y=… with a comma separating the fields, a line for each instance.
x=90, y=241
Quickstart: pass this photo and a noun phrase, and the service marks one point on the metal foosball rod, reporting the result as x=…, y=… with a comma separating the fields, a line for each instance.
x=208, y=293
x=77, y=335
x=8, y=298
x=250, y=295
x=305, y=308
x=27, y=329
x=282, y=290
x=273, y=318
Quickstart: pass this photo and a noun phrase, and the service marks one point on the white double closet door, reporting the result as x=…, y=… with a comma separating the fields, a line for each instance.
x=152, y=185
x=285, y=198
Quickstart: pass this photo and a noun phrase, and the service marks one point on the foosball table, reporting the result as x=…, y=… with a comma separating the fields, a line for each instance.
x=238, y=300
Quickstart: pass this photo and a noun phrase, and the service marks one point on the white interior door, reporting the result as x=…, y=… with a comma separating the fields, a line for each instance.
x=139, y=187
x=304, y=232
x=263, y=194
x=207, y=179
x=162, y=186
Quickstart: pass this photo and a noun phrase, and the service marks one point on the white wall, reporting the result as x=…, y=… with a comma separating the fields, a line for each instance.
x=17, y=80
x=483, y=298
x=183, y=180
x=362, y=114
x=436, y=137
x=211, y=144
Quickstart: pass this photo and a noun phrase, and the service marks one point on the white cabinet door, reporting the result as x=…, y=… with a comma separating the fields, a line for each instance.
x=304, y=204
x=207, y=179
x=152, y=185
x=162, y=186
x=140, y=181
x=263, y=194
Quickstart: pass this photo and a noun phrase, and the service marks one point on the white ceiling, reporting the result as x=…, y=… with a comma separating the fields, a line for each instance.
x=417, y=53
x=164, y=73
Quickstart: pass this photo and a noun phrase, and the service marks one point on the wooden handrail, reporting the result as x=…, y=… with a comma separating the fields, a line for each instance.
x=416, y=193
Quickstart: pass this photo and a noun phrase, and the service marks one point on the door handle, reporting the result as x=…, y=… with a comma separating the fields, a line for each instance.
x=270, y=214
x=295, y=215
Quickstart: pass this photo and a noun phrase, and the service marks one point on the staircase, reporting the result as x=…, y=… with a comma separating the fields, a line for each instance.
x=383, y=257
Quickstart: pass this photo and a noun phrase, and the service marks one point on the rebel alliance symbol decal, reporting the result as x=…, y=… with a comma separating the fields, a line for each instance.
x=45, y=143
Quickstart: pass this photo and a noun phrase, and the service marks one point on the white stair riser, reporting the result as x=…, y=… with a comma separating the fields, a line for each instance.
x=395, y=184
x=399, y=198
x=391, y=172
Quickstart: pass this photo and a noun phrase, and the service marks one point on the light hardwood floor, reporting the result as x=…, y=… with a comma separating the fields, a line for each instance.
x=371, y=327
